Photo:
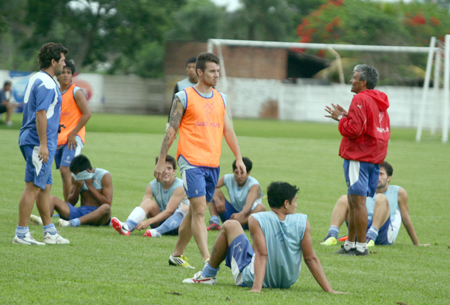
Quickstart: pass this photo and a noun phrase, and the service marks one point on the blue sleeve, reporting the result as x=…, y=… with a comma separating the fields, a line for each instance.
x=44, y=97
x=2, y=96
x=76, y=89
x=224, y=97
x=183, y=97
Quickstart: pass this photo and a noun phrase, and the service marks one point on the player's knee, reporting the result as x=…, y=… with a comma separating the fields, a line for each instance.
x=230, y=223
x=105, y=208
x=382, y=201
x=64, y=171
x=342, y=201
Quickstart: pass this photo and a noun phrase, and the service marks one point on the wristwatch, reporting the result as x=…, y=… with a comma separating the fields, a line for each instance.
x=340, y=117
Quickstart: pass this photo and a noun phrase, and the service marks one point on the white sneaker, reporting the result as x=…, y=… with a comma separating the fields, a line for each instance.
x=63, y=223
x=27, y=240
x=54, y=239
x=199, y=279
x=36, y=220
x=9, y=123
x=152, y=233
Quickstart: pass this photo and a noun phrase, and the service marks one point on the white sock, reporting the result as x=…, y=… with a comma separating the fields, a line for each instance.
x=155, y=233
x=361, y=247
x=136, y=217
x=349, y=245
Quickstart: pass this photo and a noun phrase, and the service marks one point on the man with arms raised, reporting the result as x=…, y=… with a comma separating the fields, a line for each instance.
x=280, y=238
x=386, y=211
x=38, y=139
x=199, y=113
x=245, y=197
x=164, y=203
x=365, y=131
x=74, y=115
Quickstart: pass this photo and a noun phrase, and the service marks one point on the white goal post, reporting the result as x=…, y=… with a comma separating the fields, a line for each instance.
x=432, y=51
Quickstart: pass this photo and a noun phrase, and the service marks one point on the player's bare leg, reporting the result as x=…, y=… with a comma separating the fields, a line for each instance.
x=66, y=177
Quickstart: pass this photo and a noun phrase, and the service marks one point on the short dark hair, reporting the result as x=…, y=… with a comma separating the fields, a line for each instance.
x=388, y=167
x=191, y=60
x=170, y=159
x=278, y=192
x=205, y=57
x=70, y=65
x=367, y=73
x=6, y=83
x=80, y=163
x=247, y=162
x=50, y=51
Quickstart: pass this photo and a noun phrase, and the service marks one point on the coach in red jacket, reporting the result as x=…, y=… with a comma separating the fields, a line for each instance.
x=365, y=131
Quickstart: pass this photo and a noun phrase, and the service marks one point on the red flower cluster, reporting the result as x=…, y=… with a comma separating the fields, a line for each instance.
x=418, y=19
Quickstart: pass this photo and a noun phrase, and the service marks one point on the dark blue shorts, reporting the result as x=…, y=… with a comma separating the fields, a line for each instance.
x=35, y=171
x=361, y=177
x=385, y=233
x=239, y=253
x=229, y=210
x=81, y=211
x=64, y=155
x=200, y=181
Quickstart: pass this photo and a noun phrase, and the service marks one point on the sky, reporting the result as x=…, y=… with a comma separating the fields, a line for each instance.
x=231, y=5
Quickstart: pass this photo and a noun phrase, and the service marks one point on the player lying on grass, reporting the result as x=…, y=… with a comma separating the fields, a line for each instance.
x=164, y=204
x=93, y=186
x=280, y=238
x=245, y=197
x=386, y=210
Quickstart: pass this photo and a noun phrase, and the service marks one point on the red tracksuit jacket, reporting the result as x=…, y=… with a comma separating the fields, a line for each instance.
x=366, y=129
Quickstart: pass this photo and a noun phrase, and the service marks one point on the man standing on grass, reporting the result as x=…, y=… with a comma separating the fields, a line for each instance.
x=280, y=238
x=386, y=211
x=38, y=139
x=74, y=115
x=199, y=112
x=365, y=131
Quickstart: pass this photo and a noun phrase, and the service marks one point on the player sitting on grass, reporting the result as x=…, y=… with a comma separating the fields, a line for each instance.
x=93, y=186
x=245, y=197
x=280, y=238
x=385, y=212
x=165, y=204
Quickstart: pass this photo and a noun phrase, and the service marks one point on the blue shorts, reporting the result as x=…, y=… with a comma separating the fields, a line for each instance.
x=81, y=211
x=200, y=181
x=173, y=232
x=361, y=177
x=385, y=233
x=64, y=155
x=35, y=171
x=239, y=255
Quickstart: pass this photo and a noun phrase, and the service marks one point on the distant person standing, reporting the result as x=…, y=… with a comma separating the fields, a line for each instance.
x=189, y=81
x=5, y=104
x=38, y=139
x=200, y=114
x=365, y=131
x=74, y=115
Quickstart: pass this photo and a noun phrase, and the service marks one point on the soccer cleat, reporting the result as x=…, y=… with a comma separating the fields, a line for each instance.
x=55, y=239
x=27, y=240
x=342, y=250
x=370, y=242
x=120, y=227
x=36, y=220
x=354, y=252
x=213, y=227
x=179, y=261
x=63, y=223
x=343, y=238
x=152, y=233
x=329, y=241
x=199, y=279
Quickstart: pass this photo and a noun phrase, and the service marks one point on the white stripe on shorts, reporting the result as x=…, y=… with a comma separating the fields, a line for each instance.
x=35, y=159
x=183, y=177
x=353, y=172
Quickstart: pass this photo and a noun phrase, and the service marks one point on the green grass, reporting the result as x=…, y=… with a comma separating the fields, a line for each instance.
x=102, y=267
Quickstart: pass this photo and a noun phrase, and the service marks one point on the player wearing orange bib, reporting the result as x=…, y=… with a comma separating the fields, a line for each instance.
x=74, y=115
x=199, y=112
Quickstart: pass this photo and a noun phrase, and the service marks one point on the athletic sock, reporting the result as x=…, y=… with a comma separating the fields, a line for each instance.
x=172, y=222
x=75, y=222
x=22, y=231
x=361, y=247
x=50, y=229
x=333, y=231
x=135, y=218
x=209, y=271
x=214, y=219
x=349, y=245
x=372, y=233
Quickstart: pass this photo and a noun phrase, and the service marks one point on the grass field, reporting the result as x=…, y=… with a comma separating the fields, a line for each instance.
x=102, y=267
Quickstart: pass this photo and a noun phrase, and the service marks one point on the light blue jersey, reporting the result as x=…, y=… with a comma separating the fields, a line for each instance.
x=283, y=240
x=392, y=196
x=163, y=196
x=183, y=84
x=238, y=195
x=41, y=93
x=97, y=180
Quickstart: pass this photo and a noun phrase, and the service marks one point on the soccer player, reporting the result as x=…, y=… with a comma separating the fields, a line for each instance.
x=165, y=204
x=245, y=197
x=199, y=112
x=38, y=139
x=280, y=238
x=385, y=212
x=5, y=104
x=365, y=131
x=93, y=186
x=74, y=115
